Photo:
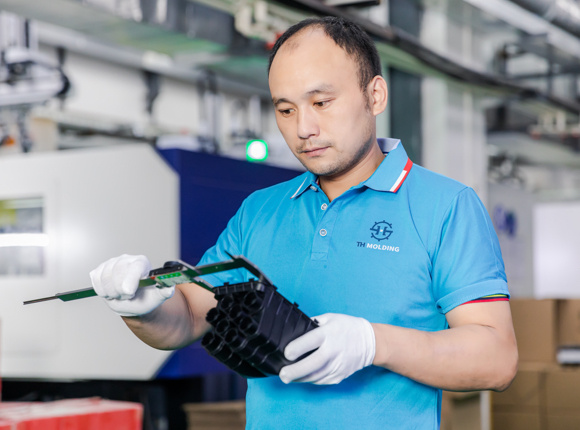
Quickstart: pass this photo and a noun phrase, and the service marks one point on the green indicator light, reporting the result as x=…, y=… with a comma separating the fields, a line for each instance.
x=256, y=150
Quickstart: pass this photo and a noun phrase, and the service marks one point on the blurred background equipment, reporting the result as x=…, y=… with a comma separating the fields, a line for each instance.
x=171, y=96
x=28, y=78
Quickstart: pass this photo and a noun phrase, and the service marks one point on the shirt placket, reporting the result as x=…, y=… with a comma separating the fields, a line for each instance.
x=324, y=228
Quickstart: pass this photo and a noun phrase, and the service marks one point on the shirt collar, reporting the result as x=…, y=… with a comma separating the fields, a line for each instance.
x=393, y=170
x=310, y=181
x=388, y=177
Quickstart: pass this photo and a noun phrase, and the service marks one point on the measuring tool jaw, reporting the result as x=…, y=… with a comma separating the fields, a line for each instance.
x=44, y=299
x=173, y=273
x=241, y=262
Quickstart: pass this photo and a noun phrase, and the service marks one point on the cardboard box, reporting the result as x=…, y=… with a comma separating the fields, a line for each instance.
x=216, y=416
x=563, y=422
x=517, y=421
x=569, y=322
x=543, y=325
x=542, y=397
x=521, y=406
x=460, y=411
x=563, y=391
x=526, y=390
x=562, y=398
x=535, y=325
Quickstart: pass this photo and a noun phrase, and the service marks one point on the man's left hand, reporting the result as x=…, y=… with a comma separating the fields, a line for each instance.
x=345, y=345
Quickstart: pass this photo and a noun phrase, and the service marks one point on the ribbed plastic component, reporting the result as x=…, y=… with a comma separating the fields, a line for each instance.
x=251, y=325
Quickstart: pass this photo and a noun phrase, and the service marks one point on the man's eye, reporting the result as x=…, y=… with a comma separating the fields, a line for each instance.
x=285, y=112
x=321, y=103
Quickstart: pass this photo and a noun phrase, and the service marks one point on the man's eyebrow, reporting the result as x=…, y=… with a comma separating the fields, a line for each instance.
x=278, y=101
x=323, y=89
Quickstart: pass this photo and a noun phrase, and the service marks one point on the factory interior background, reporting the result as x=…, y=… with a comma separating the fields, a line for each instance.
x=170, y=98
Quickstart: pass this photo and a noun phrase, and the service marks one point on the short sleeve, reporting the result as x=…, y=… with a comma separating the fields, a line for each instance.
x=229, y=241
x=467, y=263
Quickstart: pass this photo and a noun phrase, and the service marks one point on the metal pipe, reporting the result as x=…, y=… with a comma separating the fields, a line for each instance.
x=153, y=62
x=562, y=13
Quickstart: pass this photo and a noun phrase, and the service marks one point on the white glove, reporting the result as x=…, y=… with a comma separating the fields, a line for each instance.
x=345, y=344
x=117, y=281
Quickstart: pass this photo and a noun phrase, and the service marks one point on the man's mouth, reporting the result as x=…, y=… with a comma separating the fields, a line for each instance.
x=313, y=152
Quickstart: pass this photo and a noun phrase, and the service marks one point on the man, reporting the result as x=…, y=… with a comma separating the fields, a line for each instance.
x=403, y=264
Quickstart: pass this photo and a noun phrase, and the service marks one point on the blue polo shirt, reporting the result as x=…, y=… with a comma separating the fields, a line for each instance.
x=403, y=247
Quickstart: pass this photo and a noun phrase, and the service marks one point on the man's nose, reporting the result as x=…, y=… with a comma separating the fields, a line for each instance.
x=307, y=124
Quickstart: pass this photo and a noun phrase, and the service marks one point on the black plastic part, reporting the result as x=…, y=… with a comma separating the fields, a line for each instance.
x=251, y=325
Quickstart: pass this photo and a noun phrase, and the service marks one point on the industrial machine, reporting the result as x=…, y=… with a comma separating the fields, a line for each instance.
x=63, y=213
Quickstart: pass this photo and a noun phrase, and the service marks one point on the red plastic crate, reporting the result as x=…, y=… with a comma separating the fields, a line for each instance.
x=73, y=414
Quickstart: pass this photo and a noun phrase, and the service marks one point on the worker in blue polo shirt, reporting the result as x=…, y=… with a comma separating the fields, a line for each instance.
x=401, y=266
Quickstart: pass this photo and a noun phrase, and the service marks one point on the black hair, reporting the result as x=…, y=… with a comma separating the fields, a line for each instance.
x=346, y=34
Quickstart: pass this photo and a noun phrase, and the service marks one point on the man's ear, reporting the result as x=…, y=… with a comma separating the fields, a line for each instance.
x=378, y=95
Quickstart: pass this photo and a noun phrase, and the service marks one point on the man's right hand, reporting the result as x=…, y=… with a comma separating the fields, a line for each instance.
x=117, y=281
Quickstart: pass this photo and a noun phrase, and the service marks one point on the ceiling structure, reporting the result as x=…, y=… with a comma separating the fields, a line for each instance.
x=185, y=39
x=187, y=36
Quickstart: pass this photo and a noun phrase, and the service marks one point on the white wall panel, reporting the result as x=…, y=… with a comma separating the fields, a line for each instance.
x=556, y=250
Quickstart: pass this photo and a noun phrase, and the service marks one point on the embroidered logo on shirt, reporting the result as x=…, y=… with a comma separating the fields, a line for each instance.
x=381, y=230
x=377, y=246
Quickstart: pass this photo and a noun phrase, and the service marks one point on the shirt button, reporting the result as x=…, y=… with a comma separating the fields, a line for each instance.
x=324, y=206
x=313, y=188
x=323, y=232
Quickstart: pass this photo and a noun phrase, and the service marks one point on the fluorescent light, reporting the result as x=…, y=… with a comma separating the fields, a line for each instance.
x=23, y=239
